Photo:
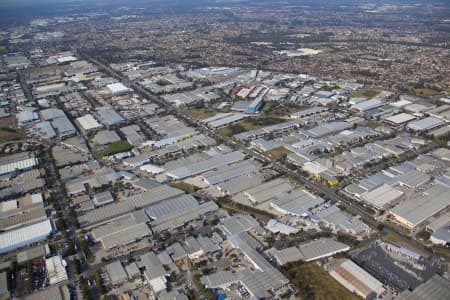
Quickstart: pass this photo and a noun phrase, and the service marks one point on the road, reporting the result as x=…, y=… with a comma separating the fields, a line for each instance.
x=329, y=193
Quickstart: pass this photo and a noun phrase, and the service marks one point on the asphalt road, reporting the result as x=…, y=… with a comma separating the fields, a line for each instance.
x=329, y=193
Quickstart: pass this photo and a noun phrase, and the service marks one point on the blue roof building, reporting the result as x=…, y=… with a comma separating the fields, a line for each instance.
x=255, y=106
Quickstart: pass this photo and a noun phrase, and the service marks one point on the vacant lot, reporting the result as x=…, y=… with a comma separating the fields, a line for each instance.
x=188, y=188
x=113, y=148
x=313, y=282
x=249, y=124
x=8, y=135
x=278, y=153
x=368, y=92
x=199, y=113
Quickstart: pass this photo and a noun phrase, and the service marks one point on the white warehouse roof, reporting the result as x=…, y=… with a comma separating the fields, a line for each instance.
x=24, y=236
x=425, y=124
x=88, y=122
x=118, y=88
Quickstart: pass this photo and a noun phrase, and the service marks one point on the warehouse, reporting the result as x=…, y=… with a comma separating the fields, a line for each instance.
x=228, y=172
x=17, y=162
x=239, y=223
x=328, y=128
x=170, y=207
x=56, y=269
x=276, y=227
x=333, y=217
x=285, y=256
x=382, y=197
x=175, y=220
x=26, y=117
x=109, y=117
x=205, y=165
x=52, y=113
x=122, y=231
x=154, y=271
x=118, y=88
x=426, y=124
x=296, y=203
x=308, y=112
x=116, y=273
x=44, y=130
x=152, y=169
x=399, y=120
x=239, y=184
x=105, y=137
x=356, y=279
x=436, y=288
x=138, y=160
x=320, y=249
x=223, y=119
x=24, y=236
x=365, y=106
x=103, y=198
x=413, y=179
x=63, y=127
x=416, y=210
x=133, y=134
x=129, y=204
x=88, y=123
x=255, y=106
x=267, y=190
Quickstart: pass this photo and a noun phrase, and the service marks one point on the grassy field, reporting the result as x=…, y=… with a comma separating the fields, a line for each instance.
x=368, y=57
x=368, y=92
x=113, y=148
x=2, y=48
x=8, y=135
x=423, y=92
x=278, y=153
x=313, y=282
x=199, y=113
x=249, y=124
x=188, y=188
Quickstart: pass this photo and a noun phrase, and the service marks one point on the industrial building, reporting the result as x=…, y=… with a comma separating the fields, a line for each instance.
x=399, y=119
x=354, y=278
x=425, y=124
x=24, y=236
x=255, y=106
x=436, y=288
x=129, y=204
x=63, y=127
x=228, y=172
x=296, y=203
x=118, y=88
x=17, y=162
x=415, y=211
x=268, y=190
x=328, y=128
x=122, y=231
x=56, y=269
x=109, y=117
x=382, y=197
x=223, y=119
x=285, y=256
x=87, y=123
x=200, y=167
x=239, y=184
x=321, y=248
x=333, y=217
x=116, y=273
x=105, y=137
x=365, y=106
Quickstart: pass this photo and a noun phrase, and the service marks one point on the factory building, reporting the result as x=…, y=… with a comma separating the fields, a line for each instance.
x=354, y=278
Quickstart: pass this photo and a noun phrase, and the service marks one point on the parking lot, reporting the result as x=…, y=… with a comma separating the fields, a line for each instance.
x=399, y=274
